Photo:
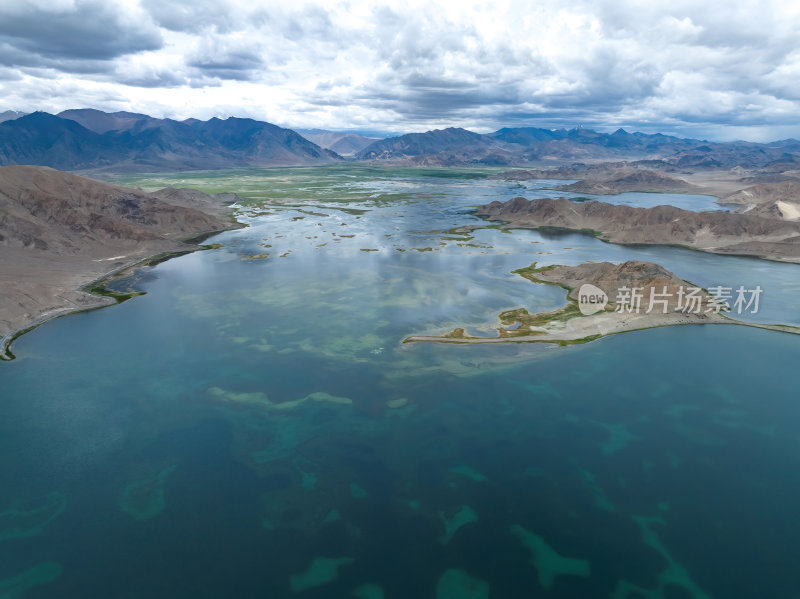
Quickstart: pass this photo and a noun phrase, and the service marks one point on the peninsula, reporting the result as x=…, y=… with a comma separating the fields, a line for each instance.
x=761, y=233
x=664, y=299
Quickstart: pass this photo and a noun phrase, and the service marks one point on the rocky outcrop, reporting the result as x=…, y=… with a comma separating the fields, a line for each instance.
x=610, y=277
x=608, y=178
x=717, y=232
x=630, y=179
x=62, y=213
x=772, y=200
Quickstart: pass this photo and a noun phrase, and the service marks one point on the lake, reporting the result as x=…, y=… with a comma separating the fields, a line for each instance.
x=254, y=426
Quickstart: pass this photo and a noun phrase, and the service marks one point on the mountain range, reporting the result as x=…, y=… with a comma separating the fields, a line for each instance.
x=92, y=140
x=122, y=141
x=530, y=145
x=10, y=115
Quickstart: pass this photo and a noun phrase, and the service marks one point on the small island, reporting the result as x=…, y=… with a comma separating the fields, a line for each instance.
x=604, y=299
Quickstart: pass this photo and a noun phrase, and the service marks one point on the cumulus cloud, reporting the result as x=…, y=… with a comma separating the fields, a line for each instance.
x=223, y=58
x=195, y=16
x=72, y=36
x=709, y=69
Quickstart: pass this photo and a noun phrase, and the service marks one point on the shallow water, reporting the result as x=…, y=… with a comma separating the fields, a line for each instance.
x=228, y=433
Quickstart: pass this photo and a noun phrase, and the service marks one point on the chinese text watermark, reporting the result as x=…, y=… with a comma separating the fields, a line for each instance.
x=684, y=299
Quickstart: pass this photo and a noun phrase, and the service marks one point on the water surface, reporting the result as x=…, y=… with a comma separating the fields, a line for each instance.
x=254, y=427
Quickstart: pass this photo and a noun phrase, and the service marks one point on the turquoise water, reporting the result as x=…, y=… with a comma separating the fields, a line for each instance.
x=256, y=428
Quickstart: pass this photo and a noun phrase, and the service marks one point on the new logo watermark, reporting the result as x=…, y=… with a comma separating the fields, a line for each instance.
x=591, y=299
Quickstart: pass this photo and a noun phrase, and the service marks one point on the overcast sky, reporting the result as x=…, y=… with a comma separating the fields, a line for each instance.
x=713, y=69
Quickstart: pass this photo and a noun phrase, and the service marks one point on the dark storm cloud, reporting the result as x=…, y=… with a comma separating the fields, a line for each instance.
x=87, y=33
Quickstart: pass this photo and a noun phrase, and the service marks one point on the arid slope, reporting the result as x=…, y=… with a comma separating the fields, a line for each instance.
x=716, y=232
x=59, y=232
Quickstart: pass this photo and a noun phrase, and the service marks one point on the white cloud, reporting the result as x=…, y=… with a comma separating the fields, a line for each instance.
x=682, y=66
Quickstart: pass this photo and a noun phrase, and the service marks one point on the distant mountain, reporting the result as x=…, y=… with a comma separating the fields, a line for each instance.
x=451, y=146
x=525, y=145
x=10, y=115
x=101, y=122
x=343, y=143
x=581, y=143
x=528, y=136
x=90, y=139
x=46, y=140
x=260, y=143
x=522, y=145
x=738, y=153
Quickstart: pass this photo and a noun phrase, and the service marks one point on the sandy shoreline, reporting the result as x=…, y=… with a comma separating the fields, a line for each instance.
x=592, y=329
